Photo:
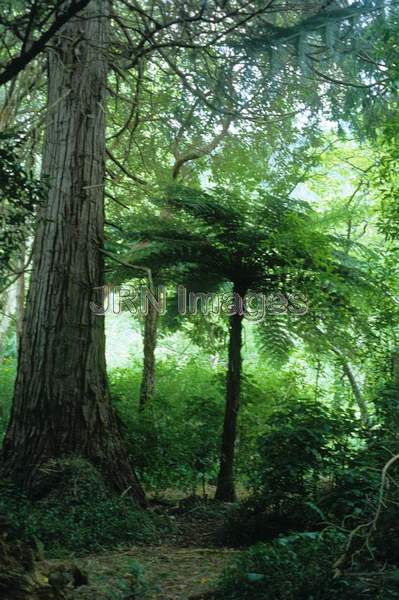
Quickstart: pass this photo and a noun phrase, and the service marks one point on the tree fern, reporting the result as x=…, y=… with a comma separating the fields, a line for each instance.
x=275, y=339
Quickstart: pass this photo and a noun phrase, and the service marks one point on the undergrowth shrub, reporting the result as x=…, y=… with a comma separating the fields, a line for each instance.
x=264, y=391
x=304, y=451
x=314, y=468
x=303, y=443
x=301, y=567
x=382, y=446
x=175, y=441
x=121, y=579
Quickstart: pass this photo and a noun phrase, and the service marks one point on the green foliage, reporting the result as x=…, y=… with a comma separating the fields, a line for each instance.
x=78, y=513
x=175, y=441
x=20, y=195
x=305, y=448
x=266, y=243
x=122, y=579
x=305, y=462
x=385, y=179
x=303, y=442
x=314, y=467
x=7, y=377
x=265, y=390
x=259, y=242
x=300, y=567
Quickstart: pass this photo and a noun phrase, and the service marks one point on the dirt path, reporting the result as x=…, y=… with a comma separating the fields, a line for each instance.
x=182, y=573
x=184, y=565
x=169, y=573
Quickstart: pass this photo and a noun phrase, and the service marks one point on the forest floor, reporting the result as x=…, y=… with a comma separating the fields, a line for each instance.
x=184, y=565
x=191, y=562
x=170, y=572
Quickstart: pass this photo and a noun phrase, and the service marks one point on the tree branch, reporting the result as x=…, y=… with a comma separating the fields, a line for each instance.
x=17, y=64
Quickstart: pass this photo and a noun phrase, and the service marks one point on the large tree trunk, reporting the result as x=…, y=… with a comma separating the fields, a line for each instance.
x=225, y=490
x=61, y=403
x=147, y=386
x=20, y=297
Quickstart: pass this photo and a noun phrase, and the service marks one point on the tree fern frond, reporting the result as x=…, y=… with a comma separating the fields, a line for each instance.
x=202, y=205
x=275, y=339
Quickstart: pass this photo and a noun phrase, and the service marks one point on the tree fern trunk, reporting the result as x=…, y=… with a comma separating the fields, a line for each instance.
x=61, y=402
x=225, y=490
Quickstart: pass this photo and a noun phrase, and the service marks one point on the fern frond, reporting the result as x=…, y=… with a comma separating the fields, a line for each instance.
x=276, y=339
x=202, y=205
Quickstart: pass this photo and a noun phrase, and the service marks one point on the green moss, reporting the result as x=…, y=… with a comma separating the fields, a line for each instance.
x=79, y=512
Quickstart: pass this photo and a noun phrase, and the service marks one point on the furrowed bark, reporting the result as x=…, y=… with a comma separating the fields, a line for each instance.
x=61, y=402
x=20, y=297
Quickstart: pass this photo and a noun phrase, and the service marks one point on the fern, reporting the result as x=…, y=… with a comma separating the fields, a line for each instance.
x=275, y=339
